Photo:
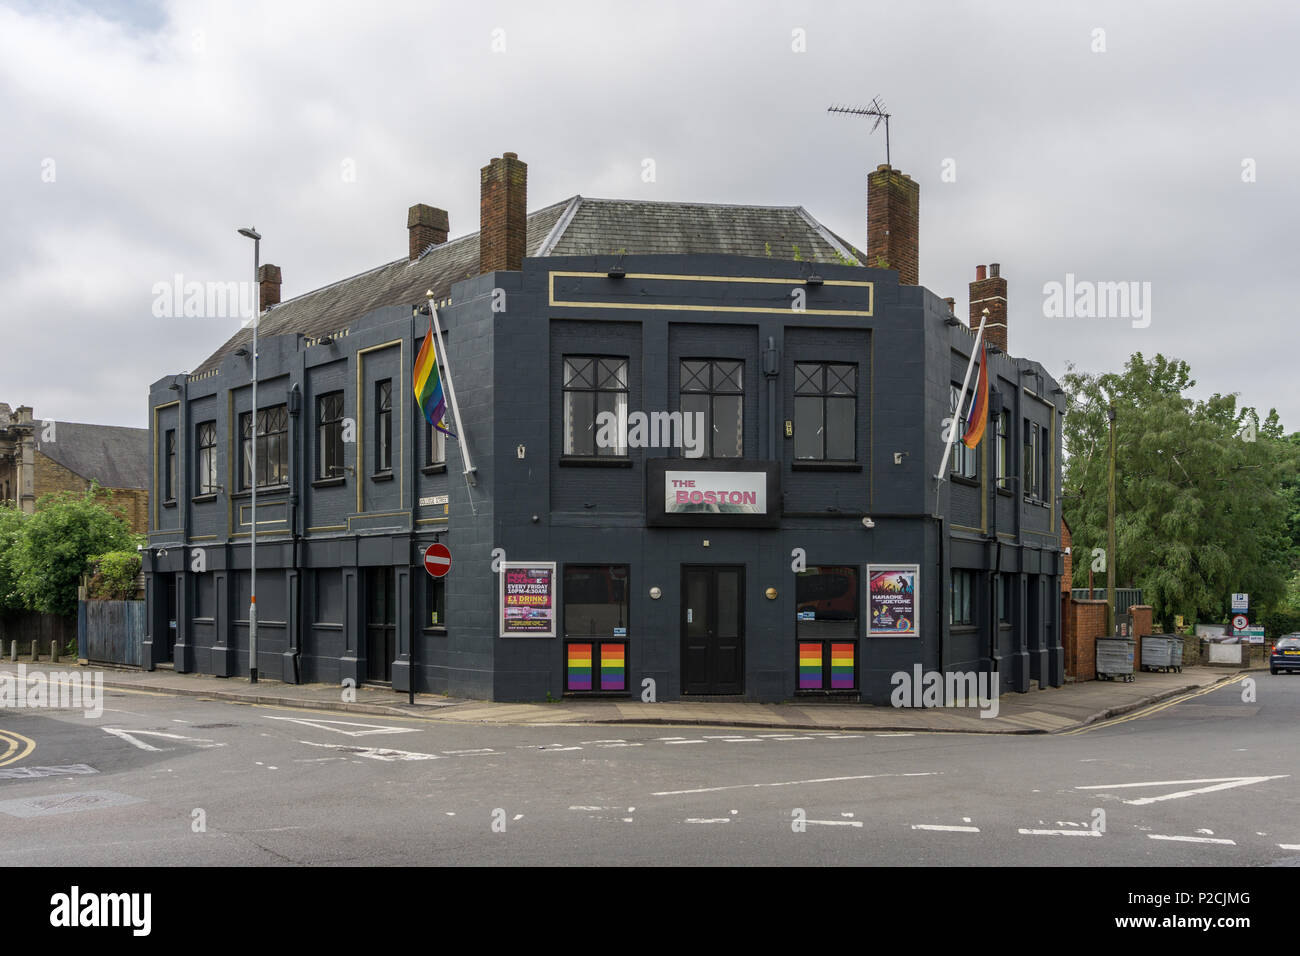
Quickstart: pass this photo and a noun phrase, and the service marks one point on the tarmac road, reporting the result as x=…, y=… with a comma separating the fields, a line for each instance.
x=163, y=780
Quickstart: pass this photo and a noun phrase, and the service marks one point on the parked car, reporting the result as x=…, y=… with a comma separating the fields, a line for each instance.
x=1286, y=654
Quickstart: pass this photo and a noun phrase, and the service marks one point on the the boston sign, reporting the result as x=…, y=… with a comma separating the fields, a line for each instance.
x=727, y=493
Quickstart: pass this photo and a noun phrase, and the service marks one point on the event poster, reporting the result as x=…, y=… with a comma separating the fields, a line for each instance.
x=892, y=600
x=527, y=599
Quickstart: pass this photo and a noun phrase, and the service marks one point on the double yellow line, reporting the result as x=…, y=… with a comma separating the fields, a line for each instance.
x=1155, y=708
x=16, y=747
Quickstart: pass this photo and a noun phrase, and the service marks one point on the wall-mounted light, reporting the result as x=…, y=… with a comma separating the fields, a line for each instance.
x=616, y=271
x=868, y=523
x=770, y=594
x=241, y=352
x=656, y=594
x=327, y=340
x=174, y=387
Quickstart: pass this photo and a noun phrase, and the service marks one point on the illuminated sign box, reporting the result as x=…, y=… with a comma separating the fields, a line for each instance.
x=720, y=493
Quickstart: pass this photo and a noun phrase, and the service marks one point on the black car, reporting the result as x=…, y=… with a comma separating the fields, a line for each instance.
x=1286, y=654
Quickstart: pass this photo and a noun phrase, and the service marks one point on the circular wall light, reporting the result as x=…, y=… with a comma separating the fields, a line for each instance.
x=656, y=594
x=771, y=594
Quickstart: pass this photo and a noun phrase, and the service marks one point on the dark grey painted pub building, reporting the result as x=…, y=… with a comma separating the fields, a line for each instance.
x=822, y=387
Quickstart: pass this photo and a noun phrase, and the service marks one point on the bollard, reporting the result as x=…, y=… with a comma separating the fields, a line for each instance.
x=13, y=650
x=35, y=656
x=54, y=652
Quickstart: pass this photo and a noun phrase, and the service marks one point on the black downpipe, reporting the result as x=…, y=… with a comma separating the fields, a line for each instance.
x=295, y=501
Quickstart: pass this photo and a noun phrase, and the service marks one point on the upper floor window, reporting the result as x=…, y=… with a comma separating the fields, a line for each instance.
x=169, y=491
x=329, y=435
x=272, y=447
x=384, y=425
x=965, y=462
x=714, y=389
x=1032, y=460
x=1004, y=448
x=825, y=411
x=207, y=445
x=435, y=444
x=594, y=385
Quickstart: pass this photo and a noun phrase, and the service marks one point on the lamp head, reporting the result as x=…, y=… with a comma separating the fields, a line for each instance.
x=250, y=232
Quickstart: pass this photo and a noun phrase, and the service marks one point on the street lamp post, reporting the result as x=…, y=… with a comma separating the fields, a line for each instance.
x=1110, y=530
x=253, y=234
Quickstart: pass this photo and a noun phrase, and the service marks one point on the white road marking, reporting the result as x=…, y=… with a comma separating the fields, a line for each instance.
x=1190, y=839
x=338, y=726
x=792, y=783
x=671, y=742
x=130, y=737
x=1290, y=846
x=708, y=819
x=1205, y=831
x=33, y=773
x=616, y=740
x=481, y=750
x=1083, y=833
x=621, y=744
x=835, y=823
x=1220, y=783
x=377, y=753
x=895, y=735
x=945, y=829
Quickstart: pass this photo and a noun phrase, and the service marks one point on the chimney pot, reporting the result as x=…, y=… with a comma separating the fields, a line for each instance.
x=994, y=268
x=981, y=273
x=425, y=226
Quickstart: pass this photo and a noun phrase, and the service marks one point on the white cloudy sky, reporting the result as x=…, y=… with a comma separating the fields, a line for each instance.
x=172, y=123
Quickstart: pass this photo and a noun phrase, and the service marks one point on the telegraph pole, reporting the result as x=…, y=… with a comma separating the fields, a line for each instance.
x=1110, y=530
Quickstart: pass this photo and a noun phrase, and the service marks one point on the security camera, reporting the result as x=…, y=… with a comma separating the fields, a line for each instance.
x=867, y=522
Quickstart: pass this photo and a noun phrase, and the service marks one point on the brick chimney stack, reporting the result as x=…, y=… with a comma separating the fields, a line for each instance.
x=426, y=227
x=989, y=291
x=894, y=223
x=268, y=286
x=503, y=214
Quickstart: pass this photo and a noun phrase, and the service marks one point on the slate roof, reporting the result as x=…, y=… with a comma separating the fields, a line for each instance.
x=115, y=456
x=576, y=226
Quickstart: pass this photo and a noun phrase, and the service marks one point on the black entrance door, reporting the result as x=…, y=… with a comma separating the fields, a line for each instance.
x=713, y=630
x=381, y=624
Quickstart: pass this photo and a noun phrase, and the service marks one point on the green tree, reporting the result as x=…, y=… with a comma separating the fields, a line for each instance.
x=1200, y=505
x=11, y=520
x=112, y=575
x=54, y=546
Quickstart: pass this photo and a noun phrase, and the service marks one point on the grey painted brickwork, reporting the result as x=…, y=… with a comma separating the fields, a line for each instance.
x=316, y=544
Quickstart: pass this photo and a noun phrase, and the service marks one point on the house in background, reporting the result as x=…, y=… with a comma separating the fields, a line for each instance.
x=38, y=458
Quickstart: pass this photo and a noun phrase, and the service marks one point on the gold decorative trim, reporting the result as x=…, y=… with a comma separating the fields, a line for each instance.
x=769, y=310
x=359, y=463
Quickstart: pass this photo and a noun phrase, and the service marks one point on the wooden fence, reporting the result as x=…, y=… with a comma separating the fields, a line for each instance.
x=111, y=632
x=27, y=626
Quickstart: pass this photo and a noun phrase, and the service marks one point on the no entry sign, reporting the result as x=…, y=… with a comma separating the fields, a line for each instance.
x=437, y=560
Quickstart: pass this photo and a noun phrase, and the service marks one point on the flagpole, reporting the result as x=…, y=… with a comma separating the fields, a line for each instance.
x=469, y=469
x=961, y=400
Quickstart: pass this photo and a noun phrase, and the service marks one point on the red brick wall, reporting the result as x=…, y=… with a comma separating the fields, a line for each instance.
x=894, y=222
x=1067, y=545
x=1085, y=622
x=1141, y=625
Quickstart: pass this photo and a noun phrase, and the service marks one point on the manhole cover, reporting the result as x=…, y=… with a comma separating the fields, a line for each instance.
x=66, y=803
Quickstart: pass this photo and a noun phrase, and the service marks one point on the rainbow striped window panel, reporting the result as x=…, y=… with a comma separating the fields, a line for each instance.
x=810, y=667
x=842, y=666
x=613, y=669
x=578, y=669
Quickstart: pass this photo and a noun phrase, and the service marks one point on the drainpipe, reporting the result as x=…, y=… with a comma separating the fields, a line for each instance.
x=297, y=475
x=771, y=368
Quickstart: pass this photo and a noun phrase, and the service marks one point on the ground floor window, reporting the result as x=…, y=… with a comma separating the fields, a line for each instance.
x=828, y=605
x=595, y=600
x=595, y=666
x=962, y=588
x=435, y=601
x=828, y=665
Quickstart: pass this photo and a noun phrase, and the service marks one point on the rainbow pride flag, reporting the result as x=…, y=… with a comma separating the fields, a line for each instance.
x=979, y=408
x=428, y=385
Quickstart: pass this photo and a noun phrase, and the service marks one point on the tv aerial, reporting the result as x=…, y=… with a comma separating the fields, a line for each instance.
x=876, y=109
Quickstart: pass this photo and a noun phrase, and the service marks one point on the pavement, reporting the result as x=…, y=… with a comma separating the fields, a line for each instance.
x=1046, y=710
